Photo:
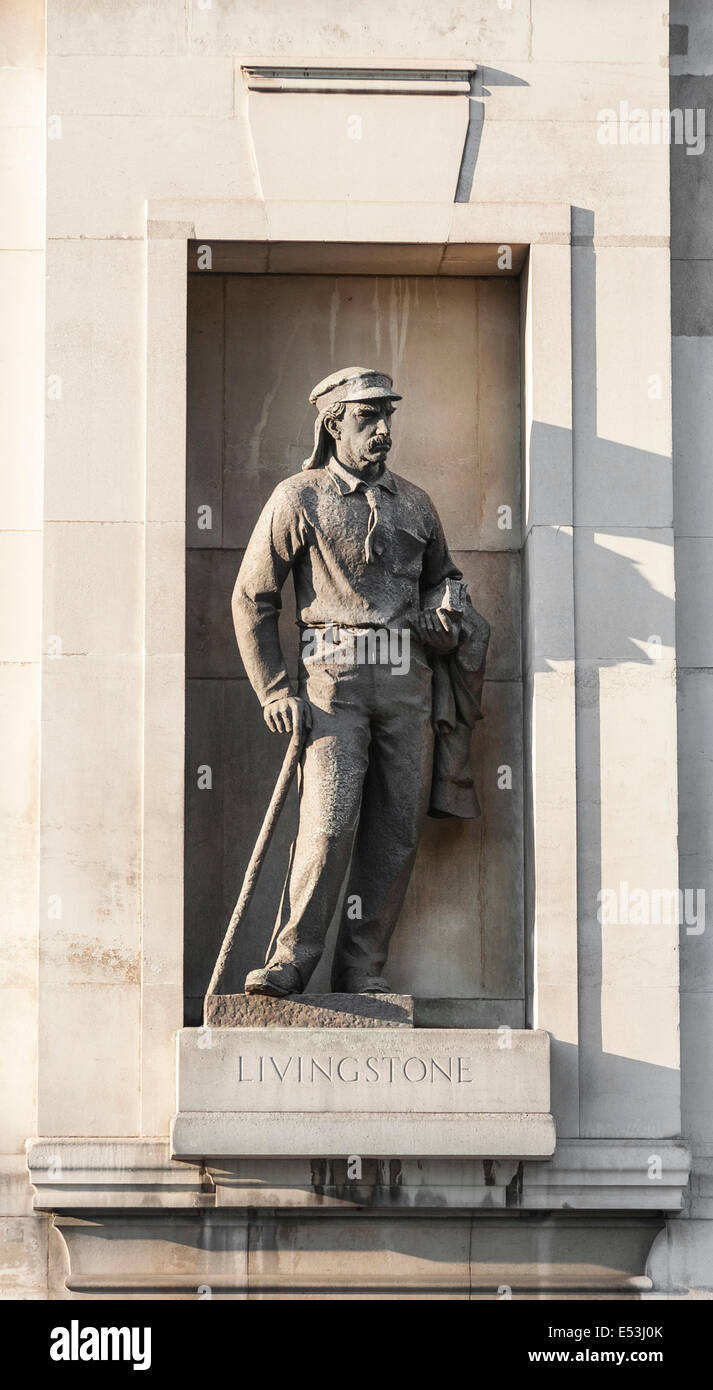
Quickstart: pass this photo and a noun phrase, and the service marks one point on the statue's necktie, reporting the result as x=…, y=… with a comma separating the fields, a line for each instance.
x=373, y=545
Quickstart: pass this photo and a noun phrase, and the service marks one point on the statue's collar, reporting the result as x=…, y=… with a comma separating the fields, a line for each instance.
x=349, y=482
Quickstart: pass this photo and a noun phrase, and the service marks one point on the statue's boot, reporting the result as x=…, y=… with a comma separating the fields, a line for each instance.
x=277, y=981
x=351, y=983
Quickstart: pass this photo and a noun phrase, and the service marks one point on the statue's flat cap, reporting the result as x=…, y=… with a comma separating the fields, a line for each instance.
x=353, y=384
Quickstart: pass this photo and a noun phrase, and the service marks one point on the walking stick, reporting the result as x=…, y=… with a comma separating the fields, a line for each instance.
x=257, y=858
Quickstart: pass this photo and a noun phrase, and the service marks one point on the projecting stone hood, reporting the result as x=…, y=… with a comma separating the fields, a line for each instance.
x=391, y=1092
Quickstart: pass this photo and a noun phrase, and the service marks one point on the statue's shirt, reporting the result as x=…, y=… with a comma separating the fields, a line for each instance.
x=316, y=525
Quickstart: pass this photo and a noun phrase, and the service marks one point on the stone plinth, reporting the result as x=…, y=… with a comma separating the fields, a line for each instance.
x=377, y=1092
x=309, y=1011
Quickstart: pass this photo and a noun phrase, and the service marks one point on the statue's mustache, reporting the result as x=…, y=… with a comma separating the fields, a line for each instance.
x=378, y=444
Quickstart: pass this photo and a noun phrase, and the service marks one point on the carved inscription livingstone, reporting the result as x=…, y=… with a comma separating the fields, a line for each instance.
x=412, y=1070
x=351, y=1069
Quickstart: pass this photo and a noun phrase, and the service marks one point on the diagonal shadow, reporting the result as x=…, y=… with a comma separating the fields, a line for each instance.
x=480, y=83
x=618, y=611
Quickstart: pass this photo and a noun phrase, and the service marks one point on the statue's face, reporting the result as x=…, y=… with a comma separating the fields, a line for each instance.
x=362, y=438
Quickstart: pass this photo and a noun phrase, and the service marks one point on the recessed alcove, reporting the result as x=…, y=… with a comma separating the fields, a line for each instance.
x=265, y=322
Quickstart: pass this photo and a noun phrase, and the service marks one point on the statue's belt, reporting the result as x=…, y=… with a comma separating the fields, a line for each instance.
x=353, y=627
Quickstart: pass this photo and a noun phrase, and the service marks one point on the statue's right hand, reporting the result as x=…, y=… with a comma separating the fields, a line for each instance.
x=287, y=714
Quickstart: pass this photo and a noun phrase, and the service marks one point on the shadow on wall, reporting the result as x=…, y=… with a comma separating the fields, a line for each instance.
x=480, y=85
x=622, y=620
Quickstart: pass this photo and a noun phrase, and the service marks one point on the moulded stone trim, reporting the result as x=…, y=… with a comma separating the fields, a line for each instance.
x=116, y=1173
x=609, y=1173
x=367, y=76
x=584, y=1175
x=333, y=1134
x=255, y=219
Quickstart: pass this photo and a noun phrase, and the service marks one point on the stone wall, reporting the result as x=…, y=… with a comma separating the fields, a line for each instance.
x=684, y=1256
x=23, y=1238
x=156, y=141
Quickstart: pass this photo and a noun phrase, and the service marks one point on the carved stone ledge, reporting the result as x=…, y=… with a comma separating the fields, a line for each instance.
x=400, y=127
x=601, y=1174
x=94, y=1175
x=407, y=78
x=91, y=1174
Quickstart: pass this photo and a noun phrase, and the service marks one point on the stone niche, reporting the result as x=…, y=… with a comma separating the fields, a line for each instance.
x=257, y=343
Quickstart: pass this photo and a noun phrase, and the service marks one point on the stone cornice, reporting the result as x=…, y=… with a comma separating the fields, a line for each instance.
x=82, y=1175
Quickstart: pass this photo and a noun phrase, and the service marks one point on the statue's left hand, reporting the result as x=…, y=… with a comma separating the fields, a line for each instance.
x=438, y=630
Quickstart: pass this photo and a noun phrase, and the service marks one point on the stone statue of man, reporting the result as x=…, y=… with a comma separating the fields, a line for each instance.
x=392, y=650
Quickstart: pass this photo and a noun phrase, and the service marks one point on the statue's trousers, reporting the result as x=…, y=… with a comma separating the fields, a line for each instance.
x=364, y=784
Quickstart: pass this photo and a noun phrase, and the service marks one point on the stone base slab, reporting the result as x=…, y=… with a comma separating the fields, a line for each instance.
x=377, y=1092
x=309, y=1011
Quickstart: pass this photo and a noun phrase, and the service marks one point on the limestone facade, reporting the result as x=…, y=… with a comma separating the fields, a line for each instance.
x=445, y=179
